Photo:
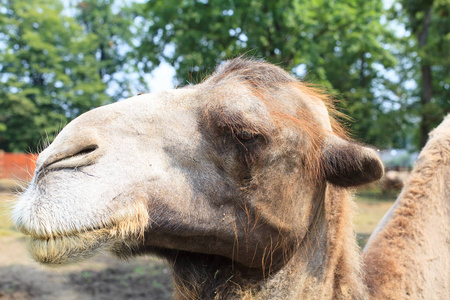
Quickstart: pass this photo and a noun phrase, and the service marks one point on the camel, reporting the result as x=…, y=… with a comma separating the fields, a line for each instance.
x=242, y=183
x=408, y=254
x=394, y=180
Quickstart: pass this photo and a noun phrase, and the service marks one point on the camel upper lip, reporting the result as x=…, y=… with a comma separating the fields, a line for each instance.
x=60, y=235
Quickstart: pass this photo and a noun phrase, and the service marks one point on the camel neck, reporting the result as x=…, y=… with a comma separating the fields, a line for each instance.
x=326, y=264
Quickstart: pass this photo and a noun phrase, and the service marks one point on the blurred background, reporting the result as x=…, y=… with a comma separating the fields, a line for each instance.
x=385, y=62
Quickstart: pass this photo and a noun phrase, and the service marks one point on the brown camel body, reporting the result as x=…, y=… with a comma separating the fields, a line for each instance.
x=408, y=255
x=241, y=183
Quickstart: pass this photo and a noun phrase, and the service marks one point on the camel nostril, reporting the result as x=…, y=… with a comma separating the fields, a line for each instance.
x=86, y=150
x=71, y=158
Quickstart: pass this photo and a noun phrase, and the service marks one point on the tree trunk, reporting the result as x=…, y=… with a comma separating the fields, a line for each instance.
x=427, y=82
x=362, y=70
x=427, y=87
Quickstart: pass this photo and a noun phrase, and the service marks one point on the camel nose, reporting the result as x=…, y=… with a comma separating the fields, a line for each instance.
x=70, y=150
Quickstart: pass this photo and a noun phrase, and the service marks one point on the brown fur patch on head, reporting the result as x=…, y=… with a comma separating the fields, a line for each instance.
x=264, y=78
x=258, y=74
x=289, y=103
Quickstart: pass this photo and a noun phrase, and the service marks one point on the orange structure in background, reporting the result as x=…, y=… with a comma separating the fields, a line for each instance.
x=17, y=166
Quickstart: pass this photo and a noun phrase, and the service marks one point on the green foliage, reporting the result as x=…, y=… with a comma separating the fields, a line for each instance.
x=428, y=54
x=55, y=65
x=48, y=72
x=337, y=44
x=111, y=45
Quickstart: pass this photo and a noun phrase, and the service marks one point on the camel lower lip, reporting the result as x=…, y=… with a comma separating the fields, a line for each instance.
x=66, y=249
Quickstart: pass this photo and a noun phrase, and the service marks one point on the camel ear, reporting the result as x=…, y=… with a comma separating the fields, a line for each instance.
x=348, y=164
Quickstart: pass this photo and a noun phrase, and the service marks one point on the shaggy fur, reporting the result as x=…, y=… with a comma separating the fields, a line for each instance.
x=408, y=256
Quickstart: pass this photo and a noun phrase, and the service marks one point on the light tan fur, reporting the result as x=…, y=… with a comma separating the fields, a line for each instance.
x=408, y=255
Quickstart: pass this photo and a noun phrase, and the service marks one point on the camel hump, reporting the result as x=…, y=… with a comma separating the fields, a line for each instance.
x=408, y=255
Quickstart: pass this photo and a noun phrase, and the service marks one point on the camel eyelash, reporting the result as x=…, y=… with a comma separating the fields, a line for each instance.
x=246, y=136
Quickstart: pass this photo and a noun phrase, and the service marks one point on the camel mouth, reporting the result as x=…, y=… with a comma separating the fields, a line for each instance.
x=58, y=235
x=63, y=250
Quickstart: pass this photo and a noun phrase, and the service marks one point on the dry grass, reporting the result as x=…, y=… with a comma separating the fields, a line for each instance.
x=372, y=206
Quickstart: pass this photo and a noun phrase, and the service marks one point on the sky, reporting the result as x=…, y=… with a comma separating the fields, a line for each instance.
x=161, y=78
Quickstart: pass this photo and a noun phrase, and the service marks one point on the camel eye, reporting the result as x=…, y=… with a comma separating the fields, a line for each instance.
x=245, y=136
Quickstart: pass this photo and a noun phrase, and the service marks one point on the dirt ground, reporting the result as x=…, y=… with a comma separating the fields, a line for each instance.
x=105, y=277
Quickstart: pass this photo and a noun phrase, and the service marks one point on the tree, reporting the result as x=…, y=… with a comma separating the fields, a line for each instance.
x=48, y=72
x=111, y=45
x=429, y=23
x=337, y=44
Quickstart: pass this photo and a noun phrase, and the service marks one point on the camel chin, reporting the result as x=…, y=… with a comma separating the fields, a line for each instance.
x=63, y=250
x=58, y=238
x=117, y=236
x=120, y=240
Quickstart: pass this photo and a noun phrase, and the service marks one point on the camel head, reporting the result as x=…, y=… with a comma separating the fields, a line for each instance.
x=234, y=167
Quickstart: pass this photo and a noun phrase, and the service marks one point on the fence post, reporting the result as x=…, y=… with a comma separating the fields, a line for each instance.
x=2, y=164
